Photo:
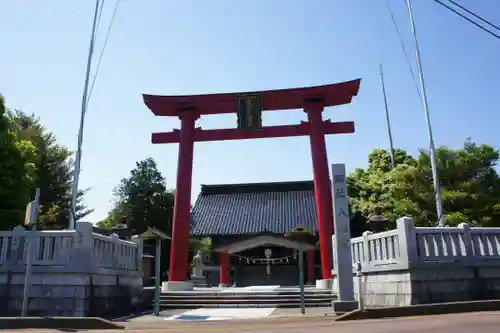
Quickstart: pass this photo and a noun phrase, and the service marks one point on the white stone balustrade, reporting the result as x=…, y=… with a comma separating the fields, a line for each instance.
x=68, y=247
x=413, y=265
x=409, y=246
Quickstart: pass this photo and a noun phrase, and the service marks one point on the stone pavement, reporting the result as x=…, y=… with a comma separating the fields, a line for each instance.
x=235, y=313
x=485, y=322
x=293, y=312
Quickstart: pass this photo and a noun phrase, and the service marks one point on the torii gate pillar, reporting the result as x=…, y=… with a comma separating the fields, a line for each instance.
x=182, y=205
x=322, y=190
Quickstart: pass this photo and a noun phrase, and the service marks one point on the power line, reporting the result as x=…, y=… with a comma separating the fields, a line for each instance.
x=100, y=15
x=108, y=32
x=475, y=15
x=401, y=42
x=388, y=119
x=469, y=20
x=98, y=23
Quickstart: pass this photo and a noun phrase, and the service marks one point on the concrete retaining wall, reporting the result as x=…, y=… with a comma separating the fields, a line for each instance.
x=74, y=273
x=70, y=294
x=429, y=285
x=409, y=265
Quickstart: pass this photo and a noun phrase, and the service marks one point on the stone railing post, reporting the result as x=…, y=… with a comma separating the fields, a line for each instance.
x=366, y=248
x=115, y=260
x=138, y=260
x=407, y=237
x=83, y=246
x=17, y=246
x=469, y=249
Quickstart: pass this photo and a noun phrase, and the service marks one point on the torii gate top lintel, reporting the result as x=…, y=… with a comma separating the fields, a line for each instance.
x=281, y=99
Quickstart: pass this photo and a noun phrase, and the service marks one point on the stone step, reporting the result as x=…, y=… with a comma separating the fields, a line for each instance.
x=215, y=298
x=241, y=305
x=246, y=301
x=245, y=297
x=241, y=294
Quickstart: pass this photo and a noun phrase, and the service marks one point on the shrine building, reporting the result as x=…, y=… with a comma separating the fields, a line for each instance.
x=247, y=224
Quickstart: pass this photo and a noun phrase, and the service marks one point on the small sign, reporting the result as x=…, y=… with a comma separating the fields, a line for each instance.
x=31, y=213
x=249, y=112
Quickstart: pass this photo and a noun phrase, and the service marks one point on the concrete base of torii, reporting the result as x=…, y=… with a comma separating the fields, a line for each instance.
x=176, y=286
x=324, y=284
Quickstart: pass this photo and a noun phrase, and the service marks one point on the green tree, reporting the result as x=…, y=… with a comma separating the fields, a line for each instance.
x=16, y=172
x=53, y=172
x=143, y=200
x=116, y=216
x=374, y=187
x=470, y=186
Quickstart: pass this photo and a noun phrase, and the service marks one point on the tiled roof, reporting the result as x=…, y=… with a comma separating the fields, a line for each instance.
x=244, y=209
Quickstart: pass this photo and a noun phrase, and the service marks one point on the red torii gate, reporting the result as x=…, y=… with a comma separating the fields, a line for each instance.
x=189, y=108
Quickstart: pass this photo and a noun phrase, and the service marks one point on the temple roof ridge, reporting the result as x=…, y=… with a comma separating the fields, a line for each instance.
x=282, y=186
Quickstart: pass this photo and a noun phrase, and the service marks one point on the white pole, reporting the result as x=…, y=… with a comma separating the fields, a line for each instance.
x=78, y=156
x=388, y=119
x=29, y=253
x=432, y=148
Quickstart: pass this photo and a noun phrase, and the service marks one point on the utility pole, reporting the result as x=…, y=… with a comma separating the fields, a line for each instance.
x=432, y=148
x=78, y=156
x=391, y=145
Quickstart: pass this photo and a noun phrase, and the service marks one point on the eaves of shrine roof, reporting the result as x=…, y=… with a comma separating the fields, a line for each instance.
x=255, y=208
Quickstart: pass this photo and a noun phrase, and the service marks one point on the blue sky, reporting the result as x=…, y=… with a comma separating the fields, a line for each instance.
x=201, y=46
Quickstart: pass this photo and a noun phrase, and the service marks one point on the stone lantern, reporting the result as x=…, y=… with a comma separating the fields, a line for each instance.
x=377, y=222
